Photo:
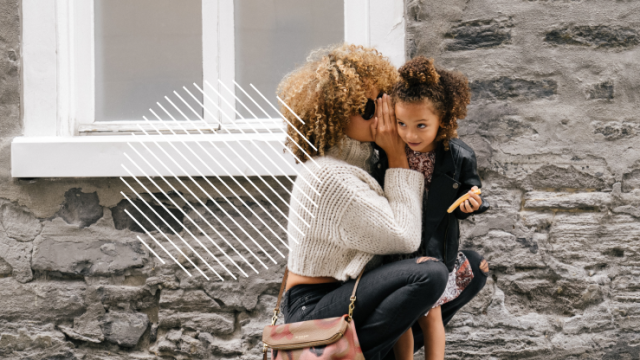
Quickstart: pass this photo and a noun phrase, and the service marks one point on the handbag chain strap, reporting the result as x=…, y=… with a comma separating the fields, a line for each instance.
x=276, y=311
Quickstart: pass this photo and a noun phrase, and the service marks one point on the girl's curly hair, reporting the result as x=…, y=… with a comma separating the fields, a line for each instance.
x=325, y=91
x=448, y=92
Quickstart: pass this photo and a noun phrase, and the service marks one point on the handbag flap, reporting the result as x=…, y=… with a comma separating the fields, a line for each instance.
x=305, y=333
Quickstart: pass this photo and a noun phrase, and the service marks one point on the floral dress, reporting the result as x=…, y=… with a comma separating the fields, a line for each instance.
x=462, y=274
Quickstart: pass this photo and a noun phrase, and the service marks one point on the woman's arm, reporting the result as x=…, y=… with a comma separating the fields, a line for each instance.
x=383, y=223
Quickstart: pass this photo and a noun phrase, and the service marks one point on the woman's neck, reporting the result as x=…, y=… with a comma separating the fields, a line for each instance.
x=353, y=152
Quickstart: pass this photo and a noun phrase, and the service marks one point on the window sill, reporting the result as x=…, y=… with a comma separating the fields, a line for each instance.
x=103, y=156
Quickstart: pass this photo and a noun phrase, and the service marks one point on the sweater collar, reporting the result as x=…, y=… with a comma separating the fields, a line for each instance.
x=353, y=152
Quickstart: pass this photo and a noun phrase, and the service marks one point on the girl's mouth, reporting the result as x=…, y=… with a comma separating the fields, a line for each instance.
x=413, y=144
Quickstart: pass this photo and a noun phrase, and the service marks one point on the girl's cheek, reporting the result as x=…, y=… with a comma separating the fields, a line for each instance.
x=402, y=134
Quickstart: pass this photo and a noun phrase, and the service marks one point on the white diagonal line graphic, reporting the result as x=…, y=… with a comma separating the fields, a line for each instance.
x=281, y=142
x=215, y=188
x=292, y=140
x=150, y=249
x=240, y=143
x=284, y=118
x=251, y=127
x=250, y=167
x=200, y=201
x=156, y=241
x=204, y=192
x=218, y=177
x=242, y=131
x=251, y=140
x=165, y=235
x=176, y=219
x=227, y=172
x=172, y=230
x=187, y=216
x=192, y=208
x=269, y=130
x=288, y=108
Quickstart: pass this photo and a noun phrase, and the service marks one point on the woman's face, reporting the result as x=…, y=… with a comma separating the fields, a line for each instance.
x=359, y=128
x=418, y=125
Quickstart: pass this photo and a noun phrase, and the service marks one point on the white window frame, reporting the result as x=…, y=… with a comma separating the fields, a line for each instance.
x=59, y=82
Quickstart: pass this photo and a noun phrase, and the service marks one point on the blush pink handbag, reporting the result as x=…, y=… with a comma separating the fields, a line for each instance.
x=330, y=339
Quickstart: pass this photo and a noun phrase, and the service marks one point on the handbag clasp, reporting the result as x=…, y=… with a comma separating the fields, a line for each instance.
x=352, y=306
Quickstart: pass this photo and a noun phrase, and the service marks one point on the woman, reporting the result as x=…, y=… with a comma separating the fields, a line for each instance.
x=353, y=218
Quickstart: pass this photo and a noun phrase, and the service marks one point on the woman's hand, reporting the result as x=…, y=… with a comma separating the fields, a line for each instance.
x=385, y=133
x=473, y=203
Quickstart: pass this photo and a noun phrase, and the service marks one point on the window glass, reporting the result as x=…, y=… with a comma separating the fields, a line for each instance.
x=272, y=37
x=144, y=50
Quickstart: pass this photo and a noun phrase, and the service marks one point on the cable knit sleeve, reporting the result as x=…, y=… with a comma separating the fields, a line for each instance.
x=388, y=222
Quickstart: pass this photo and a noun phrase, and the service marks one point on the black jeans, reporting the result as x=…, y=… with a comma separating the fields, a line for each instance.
x=390, y=299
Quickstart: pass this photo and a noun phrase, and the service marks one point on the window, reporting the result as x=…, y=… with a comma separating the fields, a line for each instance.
x=144, y=49
x=92, y=68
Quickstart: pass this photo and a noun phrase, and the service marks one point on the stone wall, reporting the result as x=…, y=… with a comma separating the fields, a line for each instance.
x=552, y=123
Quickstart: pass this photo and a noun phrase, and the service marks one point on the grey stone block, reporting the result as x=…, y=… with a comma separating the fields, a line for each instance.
x=504, y=88
x=87, y=326
x=567, y=201
x=31, y=340
x=554, y=177
x=5, y=268
x=96, y=250
x=597, y=36
x=41, y=301
x=477, y=34
x=18, y=256
x=187, y=301
x=122, y=221
x=602, y=90
x=126, y=297
x=218, y=324
x=82, y=209
x=124, y=329
x=631, y=180
x=614, y=130
x=18, y=222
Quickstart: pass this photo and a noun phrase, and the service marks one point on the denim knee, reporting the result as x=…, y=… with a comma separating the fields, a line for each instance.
x=478, y=266
x=434, y=275
x=477, y=262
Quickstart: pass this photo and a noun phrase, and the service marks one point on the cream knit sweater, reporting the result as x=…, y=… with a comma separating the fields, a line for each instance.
x=355, y=219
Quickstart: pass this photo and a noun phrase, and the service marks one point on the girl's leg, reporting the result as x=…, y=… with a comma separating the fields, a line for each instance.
x=403, y=349
x=434, y=337
x=480, y=270
x=390, y=299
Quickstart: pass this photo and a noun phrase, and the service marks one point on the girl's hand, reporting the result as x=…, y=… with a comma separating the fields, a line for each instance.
x=385, y=133
x=472, y=204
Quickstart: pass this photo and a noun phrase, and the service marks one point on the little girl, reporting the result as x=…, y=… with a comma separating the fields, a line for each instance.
x=428, y=103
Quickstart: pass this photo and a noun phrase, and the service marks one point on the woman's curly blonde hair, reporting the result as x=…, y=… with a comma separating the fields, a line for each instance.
x=329, y=88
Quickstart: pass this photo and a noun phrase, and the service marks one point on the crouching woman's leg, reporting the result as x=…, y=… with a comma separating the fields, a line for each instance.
x=390, y=299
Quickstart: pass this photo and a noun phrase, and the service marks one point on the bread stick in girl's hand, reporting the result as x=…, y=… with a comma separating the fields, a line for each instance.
x=462, y=199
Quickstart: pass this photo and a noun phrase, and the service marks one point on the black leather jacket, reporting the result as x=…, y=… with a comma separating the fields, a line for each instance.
x=455, y=173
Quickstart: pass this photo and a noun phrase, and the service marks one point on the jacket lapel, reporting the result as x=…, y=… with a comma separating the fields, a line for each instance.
x=442, y=192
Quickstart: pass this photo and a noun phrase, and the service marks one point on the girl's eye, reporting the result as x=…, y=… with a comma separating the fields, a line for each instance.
x=400, y=123
x=421, y=126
